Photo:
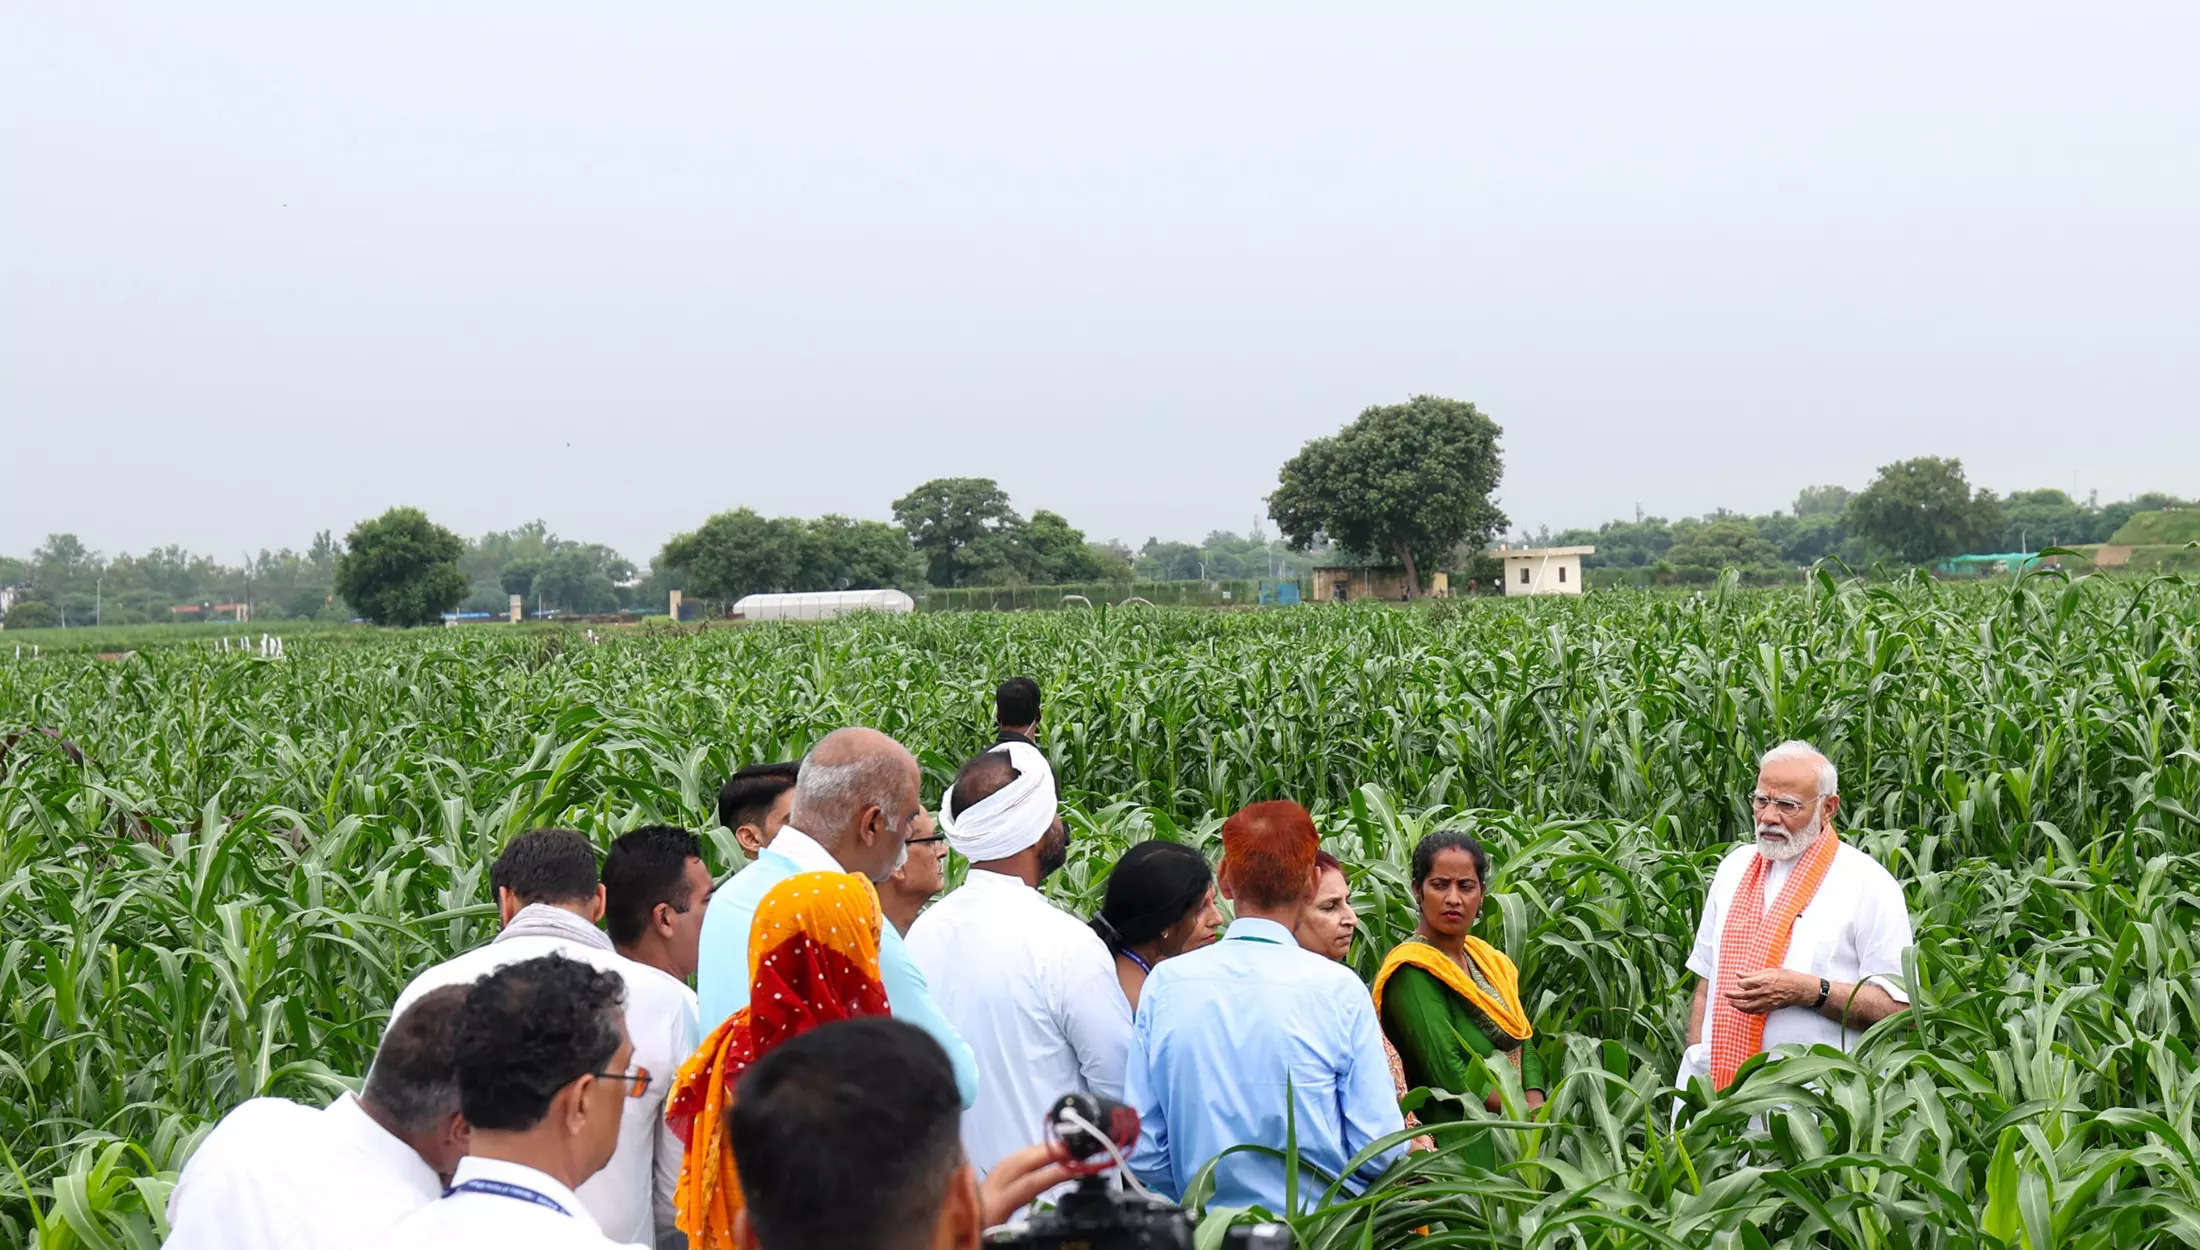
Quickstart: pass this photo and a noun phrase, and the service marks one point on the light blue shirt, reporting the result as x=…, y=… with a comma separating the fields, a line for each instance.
x=1225, y=1037
x=722, y=975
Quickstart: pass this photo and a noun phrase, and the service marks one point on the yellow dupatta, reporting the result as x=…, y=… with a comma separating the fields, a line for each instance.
x=1505, y=1011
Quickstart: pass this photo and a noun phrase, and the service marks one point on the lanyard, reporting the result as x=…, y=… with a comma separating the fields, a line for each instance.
x=501, y=1189
x=1247, y=937
x=1132, y=955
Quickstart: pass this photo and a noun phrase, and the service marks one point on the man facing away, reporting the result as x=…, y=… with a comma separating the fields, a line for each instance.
x=545, y=1072
x=549, y=898
x=1016, y=712
x=875, y=1095
x=754, y=803
x=1800, y=931
x=656, y=890
x=1223, y=1032
x=1029, y=986
x=277, y=1175
x=856, y=805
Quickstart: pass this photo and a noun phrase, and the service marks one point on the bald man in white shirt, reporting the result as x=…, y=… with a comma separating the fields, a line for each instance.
x=279, y=1175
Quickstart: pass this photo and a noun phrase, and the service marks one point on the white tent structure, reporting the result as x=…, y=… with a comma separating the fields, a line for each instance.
x=820, y=606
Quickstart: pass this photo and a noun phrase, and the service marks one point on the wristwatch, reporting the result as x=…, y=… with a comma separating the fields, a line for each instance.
x=1825, y=991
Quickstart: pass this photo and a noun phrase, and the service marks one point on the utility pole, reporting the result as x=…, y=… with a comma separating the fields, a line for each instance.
x=99, y=597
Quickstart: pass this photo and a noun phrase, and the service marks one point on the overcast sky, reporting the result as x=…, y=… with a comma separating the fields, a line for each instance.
x=273, y=268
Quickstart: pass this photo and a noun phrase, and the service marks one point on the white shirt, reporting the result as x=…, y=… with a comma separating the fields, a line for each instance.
x=480, y=1221
x=1034, y=991
x=1854, y=929
x=632, y=1198
x=275, y=1173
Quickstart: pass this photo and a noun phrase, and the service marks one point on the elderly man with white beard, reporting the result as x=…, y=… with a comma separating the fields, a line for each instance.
x=1800, y=933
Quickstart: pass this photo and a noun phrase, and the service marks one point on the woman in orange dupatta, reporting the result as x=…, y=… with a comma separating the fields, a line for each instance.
x=1446, y=998
x=813, y=959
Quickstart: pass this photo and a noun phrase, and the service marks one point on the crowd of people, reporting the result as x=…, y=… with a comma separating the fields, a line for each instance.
x=859, y=1065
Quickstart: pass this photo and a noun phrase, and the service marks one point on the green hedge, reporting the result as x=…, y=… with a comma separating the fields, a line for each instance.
x=2170, y=526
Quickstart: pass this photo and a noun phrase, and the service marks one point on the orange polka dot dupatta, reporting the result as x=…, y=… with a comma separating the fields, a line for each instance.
x=813, y=959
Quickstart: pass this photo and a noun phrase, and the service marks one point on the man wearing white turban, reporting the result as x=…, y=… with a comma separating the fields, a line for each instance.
x=1030, y=987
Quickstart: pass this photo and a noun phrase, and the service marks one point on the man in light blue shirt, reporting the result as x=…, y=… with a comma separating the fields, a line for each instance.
x=856, y=804
x=1229, y=1039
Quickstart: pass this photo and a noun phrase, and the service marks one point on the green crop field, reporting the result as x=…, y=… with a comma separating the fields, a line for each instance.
x=219, y=898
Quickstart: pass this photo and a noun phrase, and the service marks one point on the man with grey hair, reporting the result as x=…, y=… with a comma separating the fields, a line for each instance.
x=856, y=806
x=1801, y=933
x=275, y=1173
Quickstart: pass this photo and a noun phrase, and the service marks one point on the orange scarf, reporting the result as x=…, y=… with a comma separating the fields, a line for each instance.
x=1754, y=940
x=813, y=959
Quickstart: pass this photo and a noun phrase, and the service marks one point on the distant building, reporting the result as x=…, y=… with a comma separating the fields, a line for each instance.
x=821, y=605
x=1340, y=583
x=1543, y=570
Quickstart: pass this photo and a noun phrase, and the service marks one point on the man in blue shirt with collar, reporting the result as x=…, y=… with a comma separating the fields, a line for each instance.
x=856, y=806
x=1231, y=1039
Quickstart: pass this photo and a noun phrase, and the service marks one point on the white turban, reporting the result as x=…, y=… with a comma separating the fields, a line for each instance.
x=1011, y=818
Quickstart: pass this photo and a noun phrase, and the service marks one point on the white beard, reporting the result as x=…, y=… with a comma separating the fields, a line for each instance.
x=1790, y=848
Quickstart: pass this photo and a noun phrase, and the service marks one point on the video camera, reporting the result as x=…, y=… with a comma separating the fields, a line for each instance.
x=1093, y=1135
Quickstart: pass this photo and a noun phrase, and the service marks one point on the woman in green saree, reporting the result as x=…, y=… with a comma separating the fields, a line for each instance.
x=1446, y=998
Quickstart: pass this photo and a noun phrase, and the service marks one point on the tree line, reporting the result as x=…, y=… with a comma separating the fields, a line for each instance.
x=1409, y=485
x=402, y=567
x=1914, y=512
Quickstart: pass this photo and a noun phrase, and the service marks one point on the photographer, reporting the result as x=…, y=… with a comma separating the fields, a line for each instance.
x=849, y=1136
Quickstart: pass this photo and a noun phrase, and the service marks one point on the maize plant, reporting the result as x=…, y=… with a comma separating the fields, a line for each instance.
x=217, y=868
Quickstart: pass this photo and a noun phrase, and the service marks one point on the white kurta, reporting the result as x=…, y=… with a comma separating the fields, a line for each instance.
x=279, y=1174
x=1034, y=991
x=1854, y=929
x=481, y=1221
x=632, y=1197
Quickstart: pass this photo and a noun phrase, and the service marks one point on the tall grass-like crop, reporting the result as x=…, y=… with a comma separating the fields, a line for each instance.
x=216, y=870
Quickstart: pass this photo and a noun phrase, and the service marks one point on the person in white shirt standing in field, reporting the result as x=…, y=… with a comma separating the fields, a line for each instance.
x=1030, y=987
x=549, y=896
x=279, y=1175
x=545, y=1069
x=1801, y=933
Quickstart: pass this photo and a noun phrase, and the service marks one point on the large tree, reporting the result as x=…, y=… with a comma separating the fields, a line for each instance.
x=2031, y=519
x=1701, y=550
x=1055, y=552
x=736, y=553
x=1923, y=509
x=1823, y=500
x=401, y=569
x=840, y=553
x=1404, y=483
x=960, y=525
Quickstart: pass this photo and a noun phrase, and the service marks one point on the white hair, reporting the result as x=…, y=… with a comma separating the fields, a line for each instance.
x=1829, y=780
x=830, y=795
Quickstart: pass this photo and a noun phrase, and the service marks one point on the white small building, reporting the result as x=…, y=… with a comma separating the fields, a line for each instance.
x=822, y=605
x=1544, y=570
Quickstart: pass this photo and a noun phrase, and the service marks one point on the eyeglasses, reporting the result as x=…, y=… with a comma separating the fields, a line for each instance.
x=1788, y=807
x=637, y=1081
x=937, y=837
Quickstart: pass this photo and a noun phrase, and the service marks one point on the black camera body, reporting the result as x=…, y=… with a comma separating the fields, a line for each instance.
x=1097, y=1216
